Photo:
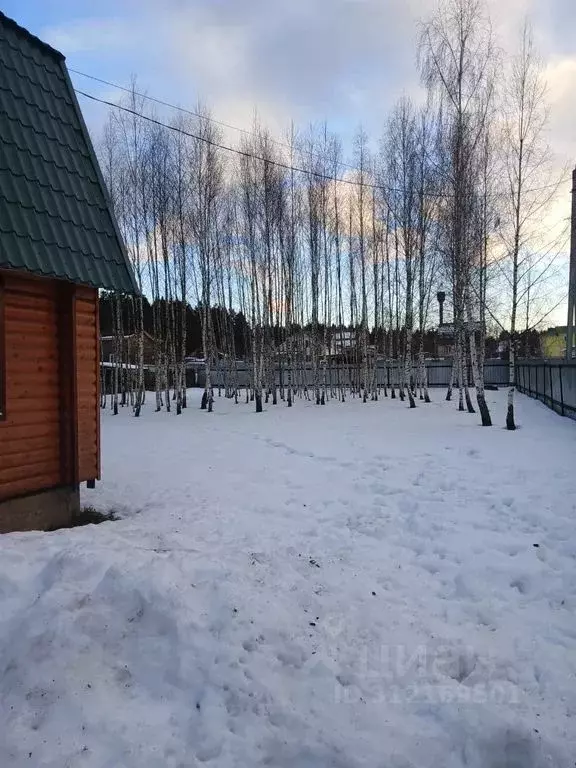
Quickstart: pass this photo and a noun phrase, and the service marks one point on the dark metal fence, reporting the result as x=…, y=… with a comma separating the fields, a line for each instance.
x=551, y=381
x=438, y=372
x=194, y=378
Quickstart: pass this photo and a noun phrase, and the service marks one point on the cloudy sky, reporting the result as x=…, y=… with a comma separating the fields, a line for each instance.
x=343, y=61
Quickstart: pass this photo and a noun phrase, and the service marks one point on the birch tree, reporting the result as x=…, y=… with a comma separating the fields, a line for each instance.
x=403, y=201
x=207, y=190
x=530, y=188
x=457, y=62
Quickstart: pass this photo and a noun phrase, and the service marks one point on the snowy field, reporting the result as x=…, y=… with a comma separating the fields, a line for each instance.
x=349, y=585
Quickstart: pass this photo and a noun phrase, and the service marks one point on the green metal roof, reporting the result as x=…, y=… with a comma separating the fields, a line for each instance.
x=55, y=216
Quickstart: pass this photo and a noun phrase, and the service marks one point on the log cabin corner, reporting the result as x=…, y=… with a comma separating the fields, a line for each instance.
x=59, y=243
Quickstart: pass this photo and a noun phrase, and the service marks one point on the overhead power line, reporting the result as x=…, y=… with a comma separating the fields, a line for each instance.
x=276, y=163
x=192, y=113
x=235, y=150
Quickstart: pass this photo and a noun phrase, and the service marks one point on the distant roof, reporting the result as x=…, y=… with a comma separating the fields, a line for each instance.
x=55, y=215
x=128, y=336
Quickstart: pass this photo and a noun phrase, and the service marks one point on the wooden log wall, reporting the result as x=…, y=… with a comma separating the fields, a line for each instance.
x=50, y=384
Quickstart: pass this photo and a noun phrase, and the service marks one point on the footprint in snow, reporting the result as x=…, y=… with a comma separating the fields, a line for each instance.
x=521, y=584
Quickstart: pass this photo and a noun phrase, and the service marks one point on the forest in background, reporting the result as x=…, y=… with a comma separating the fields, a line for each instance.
x=528, y=342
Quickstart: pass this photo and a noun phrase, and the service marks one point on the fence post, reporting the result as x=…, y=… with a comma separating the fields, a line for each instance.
x=551, y=387
x=561, y=391
x=543, y=383
x=523, y=368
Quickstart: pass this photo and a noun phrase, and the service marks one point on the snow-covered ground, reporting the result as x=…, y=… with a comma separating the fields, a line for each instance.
x=349, y=585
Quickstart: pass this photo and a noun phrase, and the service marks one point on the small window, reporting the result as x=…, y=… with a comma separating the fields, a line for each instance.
x=2, y=355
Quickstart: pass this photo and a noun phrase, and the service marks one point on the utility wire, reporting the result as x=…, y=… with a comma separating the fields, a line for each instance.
x=191, y=112
x=245, y=131
x=235, y=150
x=276, y=163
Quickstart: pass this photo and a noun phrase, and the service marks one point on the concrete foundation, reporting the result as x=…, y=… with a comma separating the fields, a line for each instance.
x=40, y=511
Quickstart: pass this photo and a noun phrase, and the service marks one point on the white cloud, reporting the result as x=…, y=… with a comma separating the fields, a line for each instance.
x=91, y=34
x=346, y=61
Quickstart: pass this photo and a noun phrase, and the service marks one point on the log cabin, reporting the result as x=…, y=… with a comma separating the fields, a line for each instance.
x=59, y=243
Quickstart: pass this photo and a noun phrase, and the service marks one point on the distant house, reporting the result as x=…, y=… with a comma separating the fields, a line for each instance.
x=130, y=349
x=338, y=343
x=301, y=345
x=342, y=342
x=553, y=341
x=59, y=243
x=446, y=343
x=446, y=333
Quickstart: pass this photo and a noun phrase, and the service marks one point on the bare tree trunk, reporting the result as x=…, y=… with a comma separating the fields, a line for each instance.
x=453, y=372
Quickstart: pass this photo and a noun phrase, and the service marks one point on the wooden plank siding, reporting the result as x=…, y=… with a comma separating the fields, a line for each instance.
x=50, y=363
x=87, y=383
x=32, y=387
